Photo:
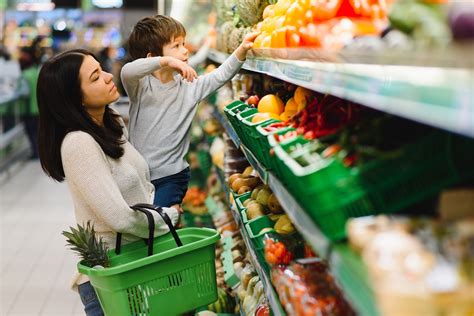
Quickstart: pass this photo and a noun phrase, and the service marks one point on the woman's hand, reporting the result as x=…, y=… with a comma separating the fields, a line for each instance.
x=186, y=71
x=180, y=212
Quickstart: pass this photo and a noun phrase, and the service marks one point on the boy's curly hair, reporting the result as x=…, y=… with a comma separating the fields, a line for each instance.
x=150, y=34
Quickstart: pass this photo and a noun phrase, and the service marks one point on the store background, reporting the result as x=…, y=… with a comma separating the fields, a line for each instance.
x=436, y=89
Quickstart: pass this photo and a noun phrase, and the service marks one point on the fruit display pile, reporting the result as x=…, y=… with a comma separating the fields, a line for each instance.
x=375, y=25
x=336, y=128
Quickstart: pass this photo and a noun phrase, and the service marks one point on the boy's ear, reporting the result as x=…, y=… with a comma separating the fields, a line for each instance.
x=149, y=55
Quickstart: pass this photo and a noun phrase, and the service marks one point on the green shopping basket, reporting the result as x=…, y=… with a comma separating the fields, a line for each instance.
x=170, y=282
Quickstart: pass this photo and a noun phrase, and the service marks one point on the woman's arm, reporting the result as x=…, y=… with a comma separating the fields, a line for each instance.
x=87, y=171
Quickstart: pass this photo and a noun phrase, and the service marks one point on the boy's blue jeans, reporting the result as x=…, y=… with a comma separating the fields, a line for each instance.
x=170, y=190
x=89, y=299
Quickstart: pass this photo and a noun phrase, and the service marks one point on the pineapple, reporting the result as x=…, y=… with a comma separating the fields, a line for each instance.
x=224, y=33
x=236, y=38
x=250, y=11
x=91, y=249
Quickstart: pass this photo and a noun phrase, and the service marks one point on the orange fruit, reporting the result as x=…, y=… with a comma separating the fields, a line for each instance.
x=279, y=38
x=267, y=41
x=292, y=37
x=282, y=6
x=271, y=104
x=269, y=11
x=280, y=22
x=291, y=105
x=260, y=117
x=285, y=116
x=268, y=25
x=257, y=27
x=258, y=41
x=311, y=34
x=305, y=3
x=301, y=97
x=295, y=15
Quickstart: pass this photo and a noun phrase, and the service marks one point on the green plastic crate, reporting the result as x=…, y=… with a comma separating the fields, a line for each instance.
x=254, y=227
x=240, y=206
x=277, y=164
x=137, y=284
x=332, y=193
x=249, y=133
x=238, y=127
x=236, y=108
x=257, y=239
x=233, y=109
x=264, y=145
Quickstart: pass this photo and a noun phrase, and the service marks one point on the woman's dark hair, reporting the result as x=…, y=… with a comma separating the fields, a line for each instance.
x=61, y=111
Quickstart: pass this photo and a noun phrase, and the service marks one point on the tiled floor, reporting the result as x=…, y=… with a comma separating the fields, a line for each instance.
x=36, y=267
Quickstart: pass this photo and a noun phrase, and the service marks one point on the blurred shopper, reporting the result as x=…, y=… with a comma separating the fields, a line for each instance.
x=106, y=59
x=85, y=143
x=164, y=92
x=30, y=67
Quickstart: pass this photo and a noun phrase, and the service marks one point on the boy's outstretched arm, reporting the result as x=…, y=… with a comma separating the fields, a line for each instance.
x=209, y=83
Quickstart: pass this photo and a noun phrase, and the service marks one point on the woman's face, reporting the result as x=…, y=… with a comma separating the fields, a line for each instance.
x=97, y=86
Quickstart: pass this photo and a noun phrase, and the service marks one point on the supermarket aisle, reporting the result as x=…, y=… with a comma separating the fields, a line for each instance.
x=36, y=268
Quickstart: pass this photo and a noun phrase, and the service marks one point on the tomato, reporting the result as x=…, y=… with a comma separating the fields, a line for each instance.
x=262, y=310
x=346, y=9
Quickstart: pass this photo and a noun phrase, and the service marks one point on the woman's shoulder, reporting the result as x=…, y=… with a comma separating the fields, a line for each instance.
x=78, y=141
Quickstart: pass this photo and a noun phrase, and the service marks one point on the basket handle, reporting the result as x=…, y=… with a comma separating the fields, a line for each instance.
x=151, y=231
x=165, y=217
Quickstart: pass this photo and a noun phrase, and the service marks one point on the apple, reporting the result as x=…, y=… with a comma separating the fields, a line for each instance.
x=253, y=100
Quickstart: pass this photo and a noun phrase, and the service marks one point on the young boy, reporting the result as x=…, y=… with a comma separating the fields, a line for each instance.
x=163, y=103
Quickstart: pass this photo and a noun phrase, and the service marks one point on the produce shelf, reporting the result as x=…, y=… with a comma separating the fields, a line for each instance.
x=303, y=223
x=436, y=96
x=346, y=267
x=270, y=293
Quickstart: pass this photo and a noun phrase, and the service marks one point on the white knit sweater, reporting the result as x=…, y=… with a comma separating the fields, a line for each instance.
x=102, y=189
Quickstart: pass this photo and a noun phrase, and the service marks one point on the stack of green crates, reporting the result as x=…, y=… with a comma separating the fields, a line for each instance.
x=241, y=209
x=280, y=169
x=250, y=134
x=257, y=238
x=332, y=193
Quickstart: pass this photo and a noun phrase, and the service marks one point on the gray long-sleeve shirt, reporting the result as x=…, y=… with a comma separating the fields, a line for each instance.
x=161, y=114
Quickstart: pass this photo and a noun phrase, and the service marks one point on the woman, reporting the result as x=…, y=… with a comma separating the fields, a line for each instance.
x=83, y=141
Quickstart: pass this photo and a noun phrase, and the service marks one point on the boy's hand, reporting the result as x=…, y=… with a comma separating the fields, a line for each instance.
x=246, y=45
x=186, y=71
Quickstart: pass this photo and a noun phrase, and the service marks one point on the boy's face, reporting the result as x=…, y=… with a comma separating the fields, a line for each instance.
x=176, y=49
